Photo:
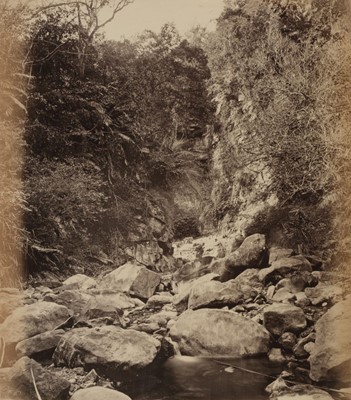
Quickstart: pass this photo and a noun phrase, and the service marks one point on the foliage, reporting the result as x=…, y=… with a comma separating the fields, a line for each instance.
x=274, y=72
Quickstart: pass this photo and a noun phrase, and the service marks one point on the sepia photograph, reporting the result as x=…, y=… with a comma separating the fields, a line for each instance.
x=175, y=199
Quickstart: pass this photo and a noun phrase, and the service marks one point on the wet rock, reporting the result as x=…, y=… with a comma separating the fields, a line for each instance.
x=284, y=266
x=99, y=393
x=80, y=281
x=301, y=392
x=249, y=255
x=276, y=253
x=218, y=294
x=276, y=386
x=31, y=320
x=40, y=346
x=112, y=351
x=210, y=332
x=133, y=279
x=324, y=292
x=331, y=356
x=287, y=340
x=50, y=386
x=280, y=318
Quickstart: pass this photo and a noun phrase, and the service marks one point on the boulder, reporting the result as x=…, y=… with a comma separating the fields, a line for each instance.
x=293, y=284
x=280, y=318
x=331, y=355
x=284, y=266
x=80, y=281
x=99, y=393
x=40, y=346
x=30, y=320
x=324, y=292
x=180, y=300
x=75, y=300
x=287, y=341
x=159, y=300
x=218, y=294
x=210, y=332
x=249, y=277
x=249, y=255
x=50, y=386
x=134, y=279
x=299, y=349
x=115, y=299
x=283, y=295
x=112, y=351
x=301, y=392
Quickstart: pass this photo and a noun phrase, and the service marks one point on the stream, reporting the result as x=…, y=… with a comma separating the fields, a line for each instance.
x=186, y=378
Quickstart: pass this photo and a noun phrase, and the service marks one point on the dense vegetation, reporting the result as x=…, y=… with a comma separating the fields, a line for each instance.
x=110, y=127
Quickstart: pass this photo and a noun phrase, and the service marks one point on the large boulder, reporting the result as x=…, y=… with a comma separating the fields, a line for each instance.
x=218, y=294
x=331, y=356
x=300, y=392
x=75, y=300
x=30, y=320
x=324, y=292
x=249, y=255
x=99, y=393
x=112, y=351
x=80, y=281
x=210, y=332
x=279, y=318
x=40, y=346
x=50, y=386
x=134, y=279
x=284, y=266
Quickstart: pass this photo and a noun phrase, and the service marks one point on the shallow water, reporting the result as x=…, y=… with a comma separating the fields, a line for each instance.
x=186, y=378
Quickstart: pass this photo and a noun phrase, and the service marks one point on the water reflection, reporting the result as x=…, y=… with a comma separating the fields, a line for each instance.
x=186, y=378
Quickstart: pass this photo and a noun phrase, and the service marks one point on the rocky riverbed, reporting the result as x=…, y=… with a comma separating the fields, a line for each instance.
x=88, y=338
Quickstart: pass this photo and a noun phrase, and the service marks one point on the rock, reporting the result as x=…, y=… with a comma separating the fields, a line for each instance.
x=10, y=299
x=275, y=355
x=190, y=270
x=283, y=295
x=112, y=351
x=218, y=294
x=276, y=386
x=287, y=340
x=284, y=266
x=299, y=348
x=40, y=346
x=150, y=327
x=331, y=356
x=279, y=318
x=30, y=320
x=324, y=292
x=180, y=300
x=301, y=300
x=276, y=253
x=118, y=300
x=249, y=255
x=99, y=393
x=162, y=317
x=249, y=277
x=75, y=300
x=210, y=332
x=301, y=392
x=102, y=306
x=50, y=386
x=133, y=279
x=270, y=292
x=293, y=285
x=80, y=281
x=159, y=300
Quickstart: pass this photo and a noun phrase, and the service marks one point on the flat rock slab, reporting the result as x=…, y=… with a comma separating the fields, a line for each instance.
x=41, y=346
x=50, y=386
x=210, y=332
x=134, y=279
x=331, y=356
x=280, y=318
x=30, y=320
x=99, y=393
x=112, y=351
x=80, y=281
